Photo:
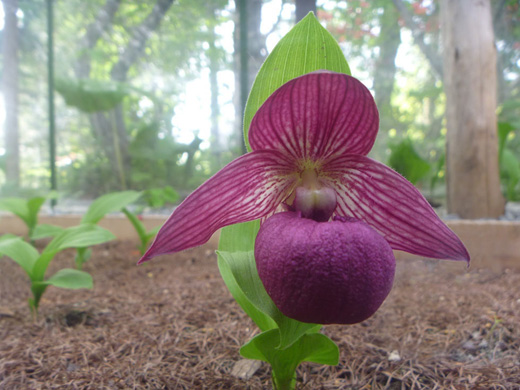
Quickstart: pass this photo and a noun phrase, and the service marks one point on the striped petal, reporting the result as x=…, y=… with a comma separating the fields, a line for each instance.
x=376, y=194
x=316, y=116
x=248, y=188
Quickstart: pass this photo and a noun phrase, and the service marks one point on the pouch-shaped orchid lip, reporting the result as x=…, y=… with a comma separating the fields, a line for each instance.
x=336, y=272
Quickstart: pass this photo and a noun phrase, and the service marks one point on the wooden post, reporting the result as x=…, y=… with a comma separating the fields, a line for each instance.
x=470, y=83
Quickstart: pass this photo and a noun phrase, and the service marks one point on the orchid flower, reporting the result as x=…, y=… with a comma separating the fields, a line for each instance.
x=310, y=141
x=326, y=255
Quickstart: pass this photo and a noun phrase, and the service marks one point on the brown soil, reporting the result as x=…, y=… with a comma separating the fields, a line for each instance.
x=172, y=324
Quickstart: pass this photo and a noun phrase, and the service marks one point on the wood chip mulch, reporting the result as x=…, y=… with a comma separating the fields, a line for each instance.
x=172, y=324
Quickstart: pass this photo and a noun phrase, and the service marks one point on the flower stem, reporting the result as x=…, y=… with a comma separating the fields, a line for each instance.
x=286, y=381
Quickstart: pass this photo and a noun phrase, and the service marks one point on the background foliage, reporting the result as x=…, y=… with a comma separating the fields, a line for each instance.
x=146, y=90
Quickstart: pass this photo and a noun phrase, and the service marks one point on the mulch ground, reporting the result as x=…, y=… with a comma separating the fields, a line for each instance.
x=172, y=324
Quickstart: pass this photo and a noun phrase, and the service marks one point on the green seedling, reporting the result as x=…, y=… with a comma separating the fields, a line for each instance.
x=154, y=198
x=35, y=264
x=99, y=208
x=102, y=206
x=25, y=209
x=145, y=236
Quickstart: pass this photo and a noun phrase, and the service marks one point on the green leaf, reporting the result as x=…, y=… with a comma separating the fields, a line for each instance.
x=405, y=160
x=26, y=210
x=33, y=206
x=22, y=253
x=137, y=224
x=504, y=128
x=108, y=203
x=314, y=347
x=70, y=278
x=45, y=230
x=73, y=237
x=261, y=319
x=8, y=236
x=16, y=206
x=306, y=48
x=510, y=174
x=91, y=95
x=79, y=236
x=82, y=255
x=239, y=237
x=242, y=267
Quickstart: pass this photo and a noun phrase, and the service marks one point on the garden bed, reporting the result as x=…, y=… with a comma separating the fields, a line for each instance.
x=172, y=324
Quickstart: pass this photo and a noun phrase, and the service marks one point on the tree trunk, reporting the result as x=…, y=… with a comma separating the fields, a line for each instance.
x=470, y=84
x=10, y=91
x=250, y=54
x=214, y=67
x=303, y=7
x=384, y=76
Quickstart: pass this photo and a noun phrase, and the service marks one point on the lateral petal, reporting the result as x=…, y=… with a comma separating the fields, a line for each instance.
x=376, y=194
x=248, y=188
x=316, y=116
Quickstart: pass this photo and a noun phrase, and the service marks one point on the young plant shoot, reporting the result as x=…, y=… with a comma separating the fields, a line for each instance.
x=35, y=264
x=330, y=216
x=26, y=210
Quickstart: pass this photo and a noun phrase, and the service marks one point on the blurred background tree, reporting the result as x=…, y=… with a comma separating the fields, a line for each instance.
x=147, y=94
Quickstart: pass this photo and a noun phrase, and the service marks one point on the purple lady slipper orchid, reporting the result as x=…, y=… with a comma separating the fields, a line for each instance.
x=310, y=141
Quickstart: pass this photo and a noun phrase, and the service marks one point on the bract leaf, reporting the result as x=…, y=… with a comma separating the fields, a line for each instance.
x=262, y=320
x=312, y=347
x=109, y=203
x=22, y=253
x=306, y=48
x=70, y=278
